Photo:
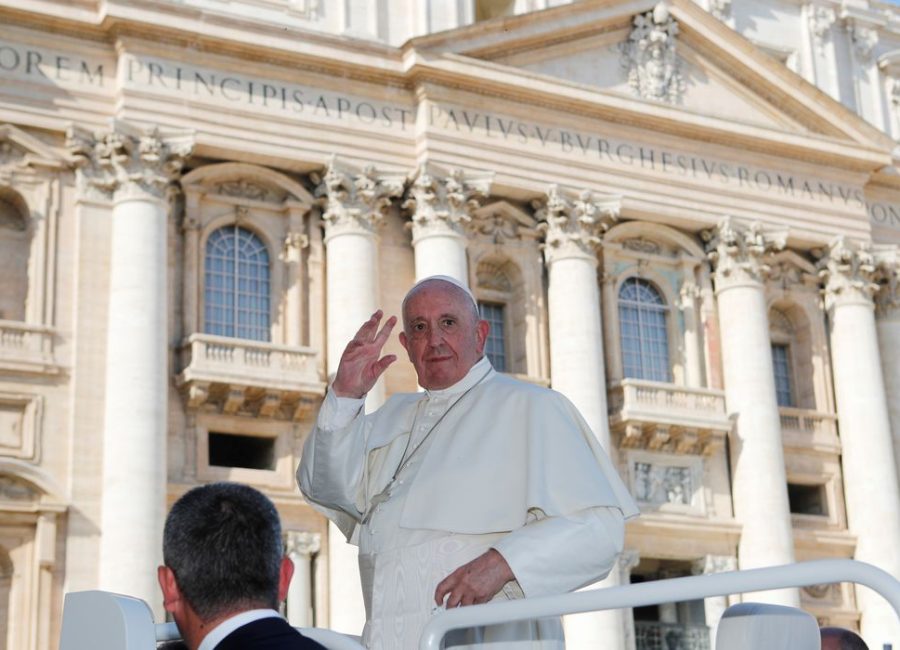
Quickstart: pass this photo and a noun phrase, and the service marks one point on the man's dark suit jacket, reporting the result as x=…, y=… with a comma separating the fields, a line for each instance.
x=271, y=633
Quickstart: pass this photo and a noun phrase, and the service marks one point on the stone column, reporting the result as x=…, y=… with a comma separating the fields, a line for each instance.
x=714, y=606
x=353, y=207
x=573, y=227
x=133, y=169
x=760, y=482
x=300, y=547
x=888, y=324
x=295, y=241
x=441, y=206
x=871, y=489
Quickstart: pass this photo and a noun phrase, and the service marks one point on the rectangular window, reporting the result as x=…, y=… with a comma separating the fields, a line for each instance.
x=782, y=365
x=807, y=499
x=234, y=450
x=495, y=346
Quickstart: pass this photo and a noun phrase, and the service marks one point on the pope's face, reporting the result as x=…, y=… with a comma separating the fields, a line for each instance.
x=441, y=334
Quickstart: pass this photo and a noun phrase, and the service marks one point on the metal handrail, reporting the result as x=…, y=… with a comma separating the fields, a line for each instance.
x=801, y=574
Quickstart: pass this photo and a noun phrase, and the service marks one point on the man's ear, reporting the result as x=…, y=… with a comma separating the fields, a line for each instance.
x=285, y=573
x=482, y=328
x=169, y=586
x=403, y=341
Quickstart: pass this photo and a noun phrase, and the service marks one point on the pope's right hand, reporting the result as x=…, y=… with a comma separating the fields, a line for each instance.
x=361, y=363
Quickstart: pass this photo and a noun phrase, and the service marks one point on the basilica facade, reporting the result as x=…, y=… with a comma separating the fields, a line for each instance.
x=684, y=216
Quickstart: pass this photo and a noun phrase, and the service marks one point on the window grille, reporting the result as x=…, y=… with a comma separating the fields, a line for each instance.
x=236, y=296
x=643, y=332
x=781, y=362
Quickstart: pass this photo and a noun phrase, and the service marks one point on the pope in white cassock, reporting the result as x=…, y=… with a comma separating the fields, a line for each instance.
x=479, y=488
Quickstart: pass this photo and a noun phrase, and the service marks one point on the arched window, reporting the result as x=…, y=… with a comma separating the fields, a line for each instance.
x=236, y=296
x=14, y=251
x=782, y=332
x=643, y=331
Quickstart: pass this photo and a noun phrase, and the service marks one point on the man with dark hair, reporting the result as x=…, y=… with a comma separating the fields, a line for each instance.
x=837, y=638
x=225, y=571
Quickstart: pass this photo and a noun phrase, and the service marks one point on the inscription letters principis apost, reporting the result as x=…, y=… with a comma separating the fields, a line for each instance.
x=205, y=85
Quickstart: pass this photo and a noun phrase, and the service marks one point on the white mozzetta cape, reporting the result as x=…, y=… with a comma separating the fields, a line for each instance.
x=506, y=448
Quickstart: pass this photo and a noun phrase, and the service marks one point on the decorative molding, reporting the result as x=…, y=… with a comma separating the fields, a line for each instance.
x=496, y=226
x=354, y=202
x=11, y=154
x=740, y=253
x=126, y=162
x=493, y=277
x=849, y=273
x=688, y=295
x=642, y=245
x=21, y=419
x=821, y=19
x=243, y=188
x=649, y=57
x=301, y=543
x=444, y=204
x=574, y=227
x=887, y=297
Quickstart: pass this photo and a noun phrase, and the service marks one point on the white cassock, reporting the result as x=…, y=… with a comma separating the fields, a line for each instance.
x=432, y=480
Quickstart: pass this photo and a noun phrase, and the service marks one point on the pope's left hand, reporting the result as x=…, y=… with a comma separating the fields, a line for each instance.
x=475, y=582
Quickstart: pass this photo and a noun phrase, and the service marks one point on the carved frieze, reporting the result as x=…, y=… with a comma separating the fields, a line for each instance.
x=864, y=39
x=649, y=57
x=574, y=226
x=247, y=189
x=10, y=154
x=126, y=162
x=444, y=203
x=849, y=272
x=493, y=277
x=662, y=484
x=741, y=254
x=642, y=245
x=354, y=201
x=496, y=226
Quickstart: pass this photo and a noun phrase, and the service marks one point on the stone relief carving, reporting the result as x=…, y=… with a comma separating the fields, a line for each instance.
x=496, y=226
x=126, y=161
x=662, y=484
x=848, y=271
x=714, y=564
x=491, y=275
x=12, y=489
x=821, y=20
x=247, y=189
x=826, y=592
x=648, y=56
x=741, y=253
x=642, y=245
x=574, y=226
x=887, y=297
x=444, y=202
x=10, y=154
x=354, y=201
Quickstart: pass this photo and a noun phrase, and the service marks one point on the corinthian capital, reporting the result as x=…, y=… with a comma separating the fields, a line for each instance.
x=849, y=272
x=740, y=253
x=355, y=201
x=887, y=297
x=301, y=542
x=574, y=226
x=126, y=162
x=444, y=203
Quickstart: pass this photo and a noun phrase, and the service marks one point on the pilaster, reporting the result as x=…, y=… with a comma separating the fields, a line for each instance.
x=714, y=606
x=300, y=546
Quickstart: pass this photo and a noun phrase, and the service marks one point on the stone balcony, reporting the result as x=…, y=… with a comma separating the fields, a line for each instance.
x=238, y=376
x=665, y=417
x=807, y=429
x=26, y=348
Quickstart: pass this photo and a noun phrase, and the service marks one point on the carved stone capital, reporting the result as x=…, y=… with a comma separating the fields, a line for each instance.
x=301, y=543
x=574, y=226
x=354, y=201
x=864, y=39
x=688, y=295
x=648, y=56
x=887, y=297
x=125, y=163
x=721, y=9
x=444, y=203
x=821, y=19
x=628, y=559
x=849, y=273
x=714, y=564
x=740, y=253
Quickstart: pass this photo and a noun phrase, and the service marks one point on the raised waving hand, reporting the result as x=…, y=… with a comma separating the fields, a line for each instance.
x=361, y=363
